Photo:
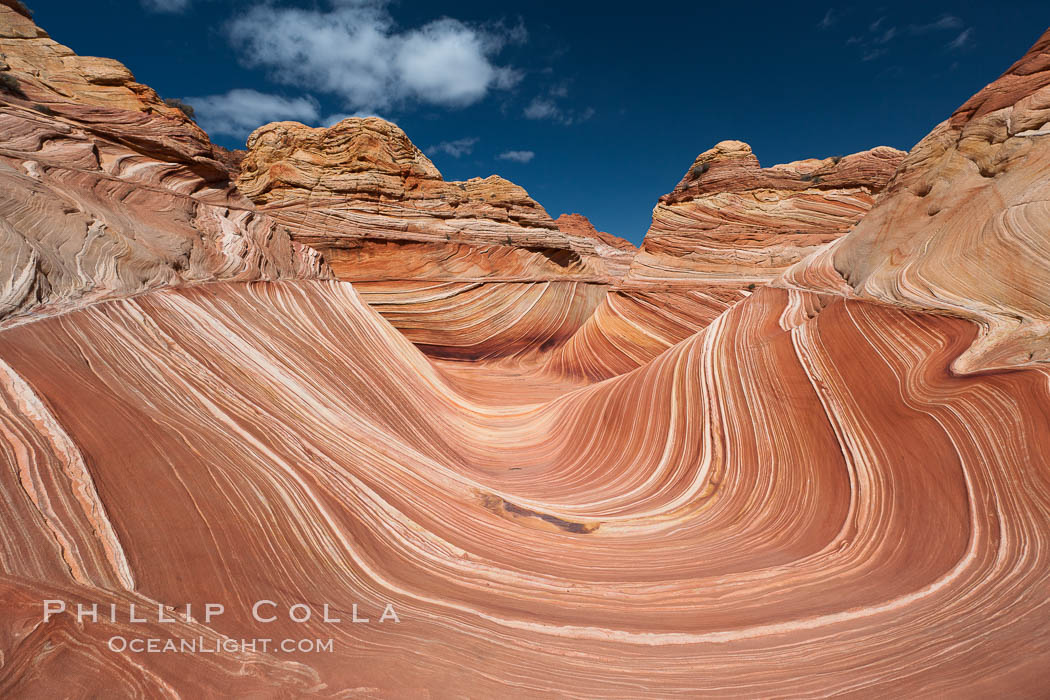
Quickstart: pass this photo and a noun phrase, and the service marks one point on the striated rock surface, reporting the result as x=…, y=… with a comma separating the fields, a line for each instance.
x=963, y=227
x=565, y=546
x=729, y=227
x=800, y=499
x=730, y=223
x=467, y=270
x=374, y=204
x=485, y=321
x=631, y=327
x=619, y=252
x=101, y=95
x=107, y=192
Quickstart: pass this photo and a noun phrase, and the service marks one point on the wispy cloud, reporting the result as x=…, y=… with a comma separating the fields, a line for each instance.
x=943, y=23
x=886, y=37
x=517, y=156
x=877, y=38
x=457, y=148
x=829, y=20
x=166, y=6
x=541, y=108
x=356, y=51
x=873, y=41
x=963, y=41
x=239, y=112
x=547, y=107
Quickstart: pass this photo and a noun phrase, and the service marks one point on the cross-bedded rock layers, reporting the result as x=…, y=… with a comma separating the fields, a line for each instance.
x=836, y=485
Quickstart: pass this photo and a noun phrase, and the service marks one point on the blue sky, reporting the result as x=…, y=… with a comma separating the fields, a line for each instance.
x=593, y=107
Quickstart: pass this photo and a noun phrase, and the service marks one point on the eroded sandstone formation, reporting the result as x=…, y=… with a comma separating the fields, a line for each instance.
x=962, y=229
x=105, y=191
x=619, y=253
x=729, y=227
x=101, y=95
x=801, y=498
x=377, y=208
x=468, y=270
x=731, y=223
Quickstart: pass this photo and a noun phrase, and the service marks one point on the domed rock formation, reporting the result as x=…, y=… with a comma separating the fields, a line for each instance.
x=731, y=223
x=473, y=269
x=378, y=209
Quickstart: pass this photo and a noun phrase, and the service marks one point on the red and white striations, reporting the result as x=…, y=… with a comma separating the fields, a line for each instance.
x=729, y=227
x=467, y=270
x=802, y=499
x=962, y=229
x=105, y=191
x=730, y=223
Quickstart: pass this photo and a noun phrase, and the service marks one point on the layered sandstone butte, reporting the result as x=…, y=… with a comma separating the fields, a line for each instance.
x=729, y=227
x=105, y=191
x=731, y=223
x=467, y=270
x=377, y=208
x=802, y=499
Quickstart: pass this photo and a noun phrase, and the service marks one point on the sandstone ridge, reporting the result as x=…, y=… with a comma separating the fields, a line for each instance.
x=363, y=194
x=106, y=192
x=730, y=222
x=962, y=227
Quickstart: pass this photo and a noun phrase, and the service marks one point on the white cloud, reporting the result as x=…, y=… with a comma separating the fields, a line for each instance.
x=356, y=52
x=963, y=41
x=457, y=148
x=445, y=62
x=546, y=107
x=166, y=6
x=239, y=112
x=517, y=156
x=541, y=108
x=830, y=18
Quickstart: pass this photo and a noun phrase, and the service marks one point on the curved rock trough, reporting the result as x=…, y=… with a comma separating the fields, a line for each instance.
x=796, y=446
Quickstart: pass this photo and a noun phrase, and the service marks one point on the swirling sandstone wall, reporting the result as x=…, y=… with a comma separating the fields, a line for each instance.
x=963, y=228
x=105, y=191
x=799, y=498
x=469, y=269
x=729, y=227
